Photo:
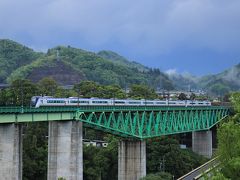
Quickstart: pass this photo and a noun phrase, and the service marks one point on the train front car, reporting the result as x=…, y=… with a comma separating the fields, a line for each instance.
x=34, y=101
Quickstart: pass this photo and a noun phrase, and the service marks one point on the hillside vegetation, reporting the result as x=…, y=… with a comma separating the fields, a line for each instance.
x=73, y=65
x=14, y=55
x=222, y=83
x=217, y=84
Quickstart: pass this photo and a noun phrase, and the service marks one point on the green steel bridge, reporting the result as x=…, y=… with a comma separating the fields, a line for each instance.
x=125, y=121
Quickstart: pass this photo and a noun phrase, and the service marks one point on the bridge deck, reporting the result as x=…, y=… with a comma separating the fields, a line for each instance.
x=19, y=109
x=131, y=121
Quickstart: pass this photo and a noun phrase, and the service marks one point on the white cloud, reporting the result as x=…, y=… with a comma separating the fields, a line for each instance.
x=171, y=72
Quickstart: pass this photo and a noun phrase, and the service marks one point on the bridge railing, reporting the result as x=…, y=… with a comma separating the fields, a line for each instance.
x=202, y=170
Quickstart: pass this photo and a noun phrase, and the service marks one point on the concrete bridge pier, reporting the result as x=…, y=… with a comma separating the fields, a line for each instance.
x=202, y=143
x=11, y=151
x=131, y=160
x=65, y=153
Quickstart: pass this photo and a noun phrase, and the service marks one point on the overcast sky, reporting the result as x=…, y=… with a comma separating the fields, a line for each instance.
x=196, y=36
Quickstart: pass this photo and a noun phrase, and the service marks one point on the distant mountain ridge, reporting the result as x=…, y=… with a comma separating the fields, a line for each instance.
x=217, y=84
x=73, y=65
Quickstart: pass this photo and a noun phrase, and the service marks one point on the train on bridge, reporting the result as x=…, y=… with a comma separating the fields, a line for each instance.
x=38, y=101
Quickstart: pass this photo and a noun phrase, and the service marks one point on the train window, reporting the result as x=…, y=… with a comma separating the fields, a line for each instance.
x=160, y=102
x=171, y=103
x=132, y=102
x=148, y=102
x=119, y=102
x=75, y=101
x=99, y=102
x=55, y=101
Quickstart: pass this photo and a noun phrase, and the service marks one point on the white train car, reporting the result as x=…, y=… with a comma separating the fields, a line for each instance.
x=38, y=101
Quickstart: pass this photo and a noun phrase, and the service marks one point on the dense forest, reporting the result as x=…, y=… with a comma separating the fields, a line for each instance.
x=98, y=162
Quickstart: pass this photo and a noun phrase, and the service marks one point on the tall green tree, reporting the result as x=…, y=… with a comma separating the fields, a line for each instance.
x=87, y=89
x=48, y=86
x=142, y=92
x=20, y=92
x=113, y=91
x=228, y=143
x=101, y=163
x=164, y=154
x=35, y=151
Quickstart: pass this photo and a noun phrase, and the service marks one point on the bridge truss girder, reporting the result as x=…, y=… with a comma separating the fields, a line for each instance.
x=148, y=124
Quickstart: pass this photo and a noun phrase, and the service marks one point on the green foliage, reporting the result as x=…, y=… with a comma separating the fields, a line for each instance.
x=87, y=89
x=113, y=91
x=101, y=162
x=229, y=144
x=158, y=176
x=116, y=58
x=48, y=86
x=222, y=83
x=24, y=71
x=232, y=168
x=217, y=176
x=19, y=93
x=61, y=178
x=164, y=154
x=90, y=89
x=228, y=136
x=229, y=149
x=142, y=92
x=14, y=55
x=35, y=148
x=235, y=99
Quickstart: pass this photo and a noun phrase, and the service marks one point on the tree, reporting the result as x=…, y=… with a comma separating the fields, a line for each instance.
x=101, y=163
x=35, y=151
x=192, y=96
x=182, y=96
x=164, y=154
x=228, y=143
x=48, y=86
x=87, y=89
x=20, y=92
x=235, y=100
x=112, y=91
x=142, y=92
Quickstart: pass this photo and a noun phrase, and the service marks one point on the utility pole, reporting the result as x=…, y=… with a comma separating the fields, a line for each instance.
x=162, y=164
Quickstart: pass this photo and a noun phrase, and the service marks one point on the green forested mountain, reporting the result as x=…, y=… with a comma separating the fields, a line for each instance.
x=222, y=83
x=217, y=84
x=116, y=58
x=14, y=55
x=68, y=65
